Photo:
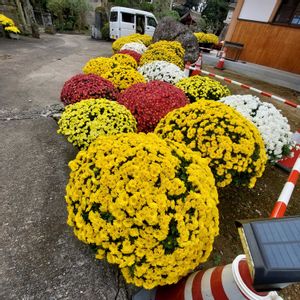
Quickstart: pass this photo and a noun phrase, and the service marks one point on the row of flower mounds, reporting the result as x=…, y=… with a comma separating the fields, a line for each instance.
x=154, y=148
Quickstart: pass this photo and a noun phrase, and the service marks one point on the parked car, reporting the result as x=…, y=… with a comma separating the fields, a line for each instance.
x=125, y=21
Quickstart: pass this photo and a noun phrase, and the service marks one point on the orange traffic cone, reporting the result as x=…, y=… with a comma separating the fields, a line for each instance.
x=198, y=66
x=220, y=64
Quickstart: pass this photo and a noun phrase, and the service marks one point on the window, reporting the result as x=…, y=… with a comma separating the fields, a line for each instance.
x=288, y=13
x=151, y=22
x=114, y=16
x=128, y=18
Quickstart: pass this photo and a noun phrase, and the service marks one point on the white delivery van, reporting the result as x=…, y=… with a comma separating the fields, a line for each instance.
x=125, y=21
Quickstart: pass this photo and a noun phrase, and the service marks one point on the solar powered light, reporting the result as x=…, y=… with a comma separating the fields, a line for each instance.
x=272, y=248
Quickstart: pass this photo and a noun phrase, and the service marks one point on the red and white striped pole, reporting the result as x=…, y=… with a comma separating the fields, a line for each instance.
x=228, y=282
x=284, y=198
x=245, y=86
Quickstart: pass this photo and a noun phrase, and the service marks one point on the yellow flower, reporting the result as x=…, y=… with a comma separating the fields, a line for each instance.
x=84, y=121
x=232, y=144
x=199, y=88
x=124, y=77
x=145, y=204
x=139, y=38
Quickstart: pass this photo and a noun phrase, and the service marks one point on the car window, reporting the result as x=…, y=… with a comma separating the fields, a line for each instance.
x=151, y=22
x=128, y=18
x=114, y=16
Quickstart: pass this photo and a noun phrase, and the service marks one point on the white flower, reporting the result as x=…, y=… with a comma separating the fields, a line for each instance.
x=135, y=46
x=272, y=125
x=163, y=71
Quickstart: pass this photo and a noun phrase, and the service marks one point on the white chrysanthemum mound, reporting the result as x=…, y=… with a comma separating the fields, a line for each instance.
x=163, y=71
x=273, y=126
x=135, y=46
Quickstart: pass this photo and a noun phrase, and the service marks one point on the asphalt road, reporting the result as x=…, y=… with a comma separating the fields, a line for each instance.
x=40, y=258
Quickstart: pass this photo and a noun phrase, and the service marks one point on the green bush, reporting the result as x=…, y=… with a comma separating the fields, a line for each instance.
x=105, y=32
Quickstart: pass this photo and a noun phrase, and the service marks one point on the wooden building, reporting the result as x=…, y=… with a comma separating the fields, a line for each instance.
x=269, y=31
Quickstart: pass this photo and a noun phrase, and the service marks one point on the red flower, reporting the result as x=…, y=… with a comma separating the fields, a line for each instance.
x=85, y=86
x=149, y=102
x=132, y=53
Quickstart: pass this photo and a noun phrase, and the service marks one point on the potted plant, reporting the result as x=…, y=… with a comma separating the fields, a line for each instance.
x=13, y=32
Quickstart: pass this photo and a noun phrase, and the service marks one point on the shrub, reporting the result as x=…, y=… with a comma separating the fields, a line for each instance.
x=140, y=38
x=232, y=144
x=134, y=46
x=132, y=53
x=124, y=59
x=145, y=204
x=8, y=24
x=123, y=77
x=105, y=32
x=170, y=46
x=83, y=86
x=201, y=88
x=272, y=125
x=98, y=66
x=162, y=53
x=149, y=102
x=206, y=38
x=163, y=71
x=84, y=121
x=5, y=21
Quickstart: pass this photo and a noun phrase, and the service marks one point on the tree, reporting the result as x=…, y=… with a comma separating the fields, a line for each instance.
x=214, y=14
x=69, y=14
x=192, y=3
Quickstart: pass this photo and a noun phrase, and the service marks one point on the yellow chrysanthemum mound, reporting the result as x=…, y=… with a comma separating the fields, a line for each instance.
x=84, y=121
x=232, y=144
x=172, y=46
x=208, y=38
x=162, y=53
x=139, y=38
x=8, y=24
x=145, y=204
x=123, y=77
x=200, y=88
x=99, y=65
x=124, y=59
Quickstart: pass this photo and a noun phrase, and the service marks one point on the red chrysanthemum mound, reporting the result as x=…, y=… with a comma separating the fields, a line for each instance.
x=149, y=102
x=132, y=53
x=86, y=86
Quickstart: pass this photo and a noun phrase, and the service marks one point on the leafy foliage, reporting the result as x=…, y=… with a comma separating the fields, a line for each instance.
x=69, y=14
x=215, y=13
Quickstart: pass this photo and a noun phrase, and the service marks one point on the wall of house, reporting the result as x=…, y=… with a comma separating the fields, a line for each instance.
x=269, y=45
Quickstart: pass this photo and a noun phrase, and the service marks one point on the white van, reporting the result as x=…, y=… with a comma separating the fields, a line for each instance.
x=125, y=21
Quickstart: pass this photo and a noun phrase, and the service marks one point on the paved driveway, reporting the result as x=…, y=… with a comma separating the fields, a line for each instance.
x=39, y=256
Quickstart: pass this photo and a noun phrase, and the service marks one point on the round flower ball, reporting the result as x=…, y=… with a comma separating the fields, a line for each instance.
x=133, y=54
x=134, y=46
x=232, y=144
x=272, y=125
x=172, y=46
x=149, y=102
x=85, y=86
x=98, y=66
x=84, y=121
x=163, y=53
x=202, y=88
x=163, y=71
x=144, y=204
x=123, y=77
x=124, y=59
x=144, y=39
